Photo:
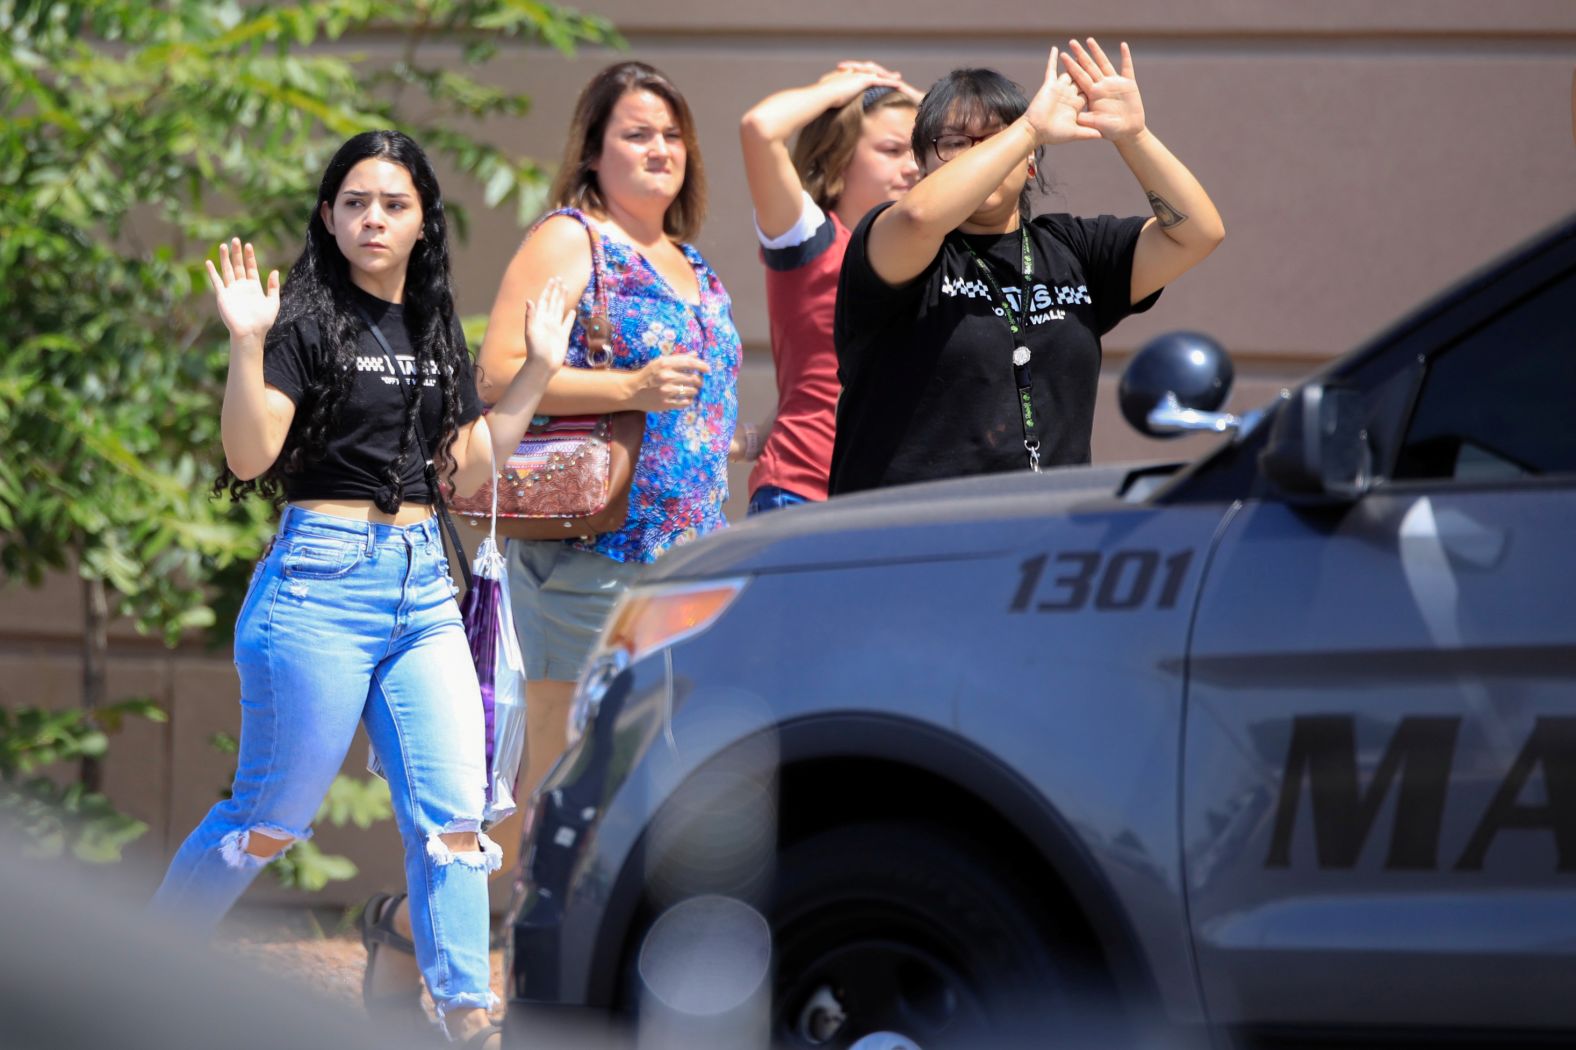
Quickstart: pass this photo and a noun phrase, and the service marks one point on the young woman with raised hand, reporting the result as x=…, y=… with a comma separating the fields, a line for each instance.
x=630, y=182
x=341, y=387
x=853, y=151
x=968, y=335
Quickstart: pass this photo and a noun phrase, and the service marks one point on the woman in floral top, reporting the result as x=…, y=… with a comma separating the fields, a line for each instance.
x=632, y=176
x=681, y=479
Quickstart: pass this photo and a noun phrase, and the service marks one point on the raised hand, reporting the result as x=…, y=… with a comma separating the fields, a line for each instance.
x=1114, y=108
x=1054, y=111
x=247, y=310
x=851, y=79
x=861, y=65
x=547, y=325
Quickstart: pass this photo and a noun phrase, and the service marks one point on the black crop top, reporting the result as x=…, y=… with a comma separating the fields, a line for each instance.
x=365, y=437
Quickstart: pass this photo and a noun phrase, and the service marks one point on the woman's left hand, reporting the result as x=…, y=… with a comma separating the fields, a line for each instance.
x=1114, y=107
x=913, y=93
x=547, y=325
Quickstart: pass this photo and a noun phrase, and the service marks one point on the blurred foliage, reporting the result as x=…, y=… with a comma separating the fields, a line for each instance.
x=134, y=135
x=54, y=817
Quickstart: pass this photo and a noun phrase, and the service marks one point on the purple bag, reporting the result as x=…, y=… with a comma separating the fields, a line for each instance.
x=500, y=670
x=489, y=627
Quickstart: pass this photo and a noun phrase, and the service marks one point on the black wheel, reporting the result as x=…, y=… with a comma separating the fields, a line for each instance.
x=904, y=928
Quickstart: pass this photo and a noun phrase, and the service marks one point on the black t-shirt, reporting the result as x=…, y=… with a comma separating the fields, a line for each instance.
x=926, y=367
x=365, y=438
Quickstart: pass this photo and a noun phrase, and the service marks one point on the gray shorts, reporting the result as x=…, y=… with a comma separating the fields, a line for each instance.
x=560, y=597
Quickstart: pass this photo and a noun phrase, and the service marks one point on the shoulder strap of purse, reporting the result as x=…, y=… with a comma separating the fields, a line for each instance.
x=421, y=436
x=598, y=328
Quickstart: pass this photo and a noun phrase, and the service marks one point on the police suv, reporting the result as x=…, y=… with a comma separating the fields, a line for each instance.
x=1277, y=747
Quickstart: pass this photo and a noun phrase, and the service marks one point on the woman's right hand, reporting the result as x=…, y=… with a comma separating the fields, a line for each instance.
x=247, y=310
x=1053, y=111
x=547, y=325
x=851, y=79
x=667, y=382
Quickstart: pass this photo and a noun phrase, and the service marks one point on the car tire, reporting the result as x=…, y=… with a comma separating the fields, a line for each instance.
x=910, y=929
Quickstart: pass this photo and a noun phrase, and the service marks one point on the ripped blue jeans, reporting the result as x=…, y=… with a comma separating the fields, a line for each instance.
x=350, y=622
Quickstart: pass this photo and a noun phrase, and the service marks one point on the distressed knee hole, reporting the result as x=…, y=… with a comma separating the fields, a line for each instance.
x=253, y=847
x=462, y=842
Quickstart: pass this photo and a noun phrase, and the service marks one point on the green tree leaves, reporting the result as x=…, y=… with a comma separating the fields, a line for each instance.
x=134, y=136
x=53, y=816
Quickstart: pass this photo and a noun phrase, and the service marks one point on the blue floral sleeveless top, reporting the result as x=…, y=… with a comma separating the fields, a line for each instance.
x=681, y=480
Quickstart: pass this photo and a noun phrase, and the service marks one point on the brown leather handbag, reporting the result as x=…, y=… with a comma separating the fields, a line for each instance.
x=571, y=475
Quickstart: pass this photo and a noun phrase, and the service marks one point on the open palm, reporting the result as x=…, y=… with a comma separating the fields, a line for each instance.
x=1115, y=110
x=852, y=79
x=547, y=325
x=245, y=306
x=1054, y=111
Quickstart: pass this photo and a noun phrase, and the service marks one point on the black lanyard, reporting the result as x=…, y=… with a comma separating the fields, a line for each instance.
x=1020, y=352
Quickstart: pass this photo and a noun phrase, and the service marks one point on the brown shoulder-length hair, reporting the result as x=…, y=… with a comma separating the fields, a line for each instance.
x=575, y=186
x=826, y=145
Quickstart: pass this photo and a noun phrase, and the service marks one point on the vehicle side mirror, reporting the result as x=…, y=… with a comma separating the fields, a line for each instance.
x=1175, y=384
x=1317, y=450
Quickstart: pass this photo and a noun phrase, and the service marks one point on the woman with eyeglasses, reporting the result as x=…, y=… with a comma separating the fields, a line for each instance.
x=967, y=333
x=852, y=149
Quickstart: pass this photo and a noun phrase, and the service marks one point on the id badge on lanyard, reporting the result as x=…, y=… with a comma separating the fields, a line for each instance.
x=1021, y=356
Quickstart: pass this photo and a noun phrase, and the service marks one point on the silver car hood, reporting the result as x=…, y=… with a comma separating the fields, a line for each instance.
x=964, y=518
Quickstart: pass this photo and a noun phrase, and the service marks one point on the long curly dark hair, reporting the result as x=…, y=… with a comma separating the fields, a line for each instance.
x=318, y=292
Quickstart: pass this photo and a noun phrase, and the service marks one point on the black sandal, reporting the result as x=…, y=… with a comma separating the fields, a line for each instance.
x=478, y=1041
x=377, y=932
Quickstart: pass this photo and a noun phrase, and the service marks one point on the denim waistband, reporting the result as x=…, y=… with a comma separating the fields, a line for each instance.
x=298, y=520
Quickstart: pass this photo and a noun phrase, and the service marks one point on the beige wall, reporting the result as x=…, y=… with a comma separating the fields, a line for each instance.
x=1362, y=154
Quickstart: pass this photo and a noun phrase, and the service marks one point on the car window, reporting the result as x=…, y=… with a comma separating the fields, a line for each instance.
x=1499, y=405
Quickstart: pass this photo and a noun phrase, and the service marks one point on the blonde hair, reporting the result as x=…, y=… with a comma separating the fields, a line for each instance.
x=826, y=145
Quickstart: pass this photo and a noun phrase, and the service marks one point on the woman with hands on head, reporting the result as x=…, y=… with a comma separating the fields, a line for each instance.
x=341, y=387
x=968, y=334
x=632, y=190
x=853, y=151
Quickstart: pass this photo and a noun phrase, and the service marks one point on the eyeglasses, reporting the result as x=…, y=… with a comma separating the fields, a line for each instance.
x=953, y=143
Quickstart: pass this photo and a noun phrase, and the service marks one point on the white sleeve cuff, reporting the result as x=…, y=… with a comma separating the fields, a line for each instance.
x=811, y=218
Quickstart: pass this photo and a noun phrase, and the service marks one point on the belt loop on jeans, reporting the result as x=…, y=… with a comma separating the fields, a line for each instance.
x=372, y=531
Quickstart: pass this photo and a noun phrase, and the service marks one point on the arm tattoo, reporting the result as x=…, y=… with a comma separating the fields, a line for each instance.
x=1167, y=215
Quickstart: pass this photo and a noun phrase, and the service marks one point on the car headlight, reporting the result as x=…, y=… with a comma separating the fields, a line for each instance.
x=646, y=620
